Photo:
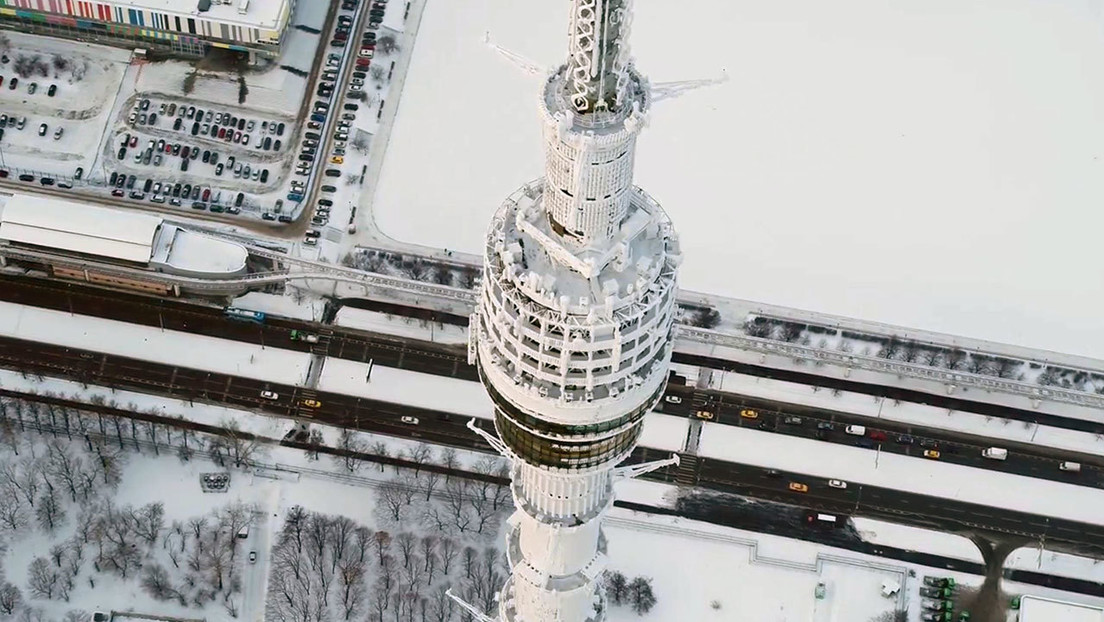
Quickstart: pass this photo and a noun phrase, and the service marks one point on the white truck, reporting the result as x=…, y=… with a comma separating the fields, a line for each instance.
x=995, y=453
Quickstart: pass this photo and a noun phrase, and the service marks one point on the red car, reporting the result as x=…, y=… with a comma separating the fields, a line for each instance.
x=222, y=132
x=206, y=193
x=363, y=62
x=877, y=435
x=116, y=193
x=133, y=141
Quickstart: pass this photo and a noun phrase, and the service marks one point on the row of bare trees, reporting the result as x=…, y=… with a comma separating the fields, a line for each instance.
x=329, y=567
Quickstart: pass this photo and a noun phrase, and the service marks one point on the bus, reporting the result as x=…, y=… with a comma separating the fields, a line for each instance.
x=244, y=315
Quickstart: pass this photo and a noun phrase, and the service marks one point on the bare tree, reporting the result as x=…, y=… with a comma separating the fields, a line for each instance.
x=42, y=580
x=350, y=441
x=64, y=466
x=456, y=492
x=450, y=460
x=241, y=445
x=49, y=511
x=440, y=605
x=429, y=555
x=10, y=598
x=470, y=557
x=381, y=598
x=236, y=516
x=387, y=44
x=419, y=454
x=641, y=596
x=156, y=581
x=148, y=521
x=380, y=448
x=617, y=587
x=448, y=552
x=13, y=513
x=382, y=541
x=198, y=526
x=24, y=477
x=393, y=500
x=407, y=545
x=109, y=461
x=351, y=579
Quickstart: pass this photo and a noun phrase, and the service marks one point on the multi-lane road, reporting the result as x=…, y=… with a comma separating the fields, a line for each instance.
x=441, y=427
x=451, y=361
x=883, y=435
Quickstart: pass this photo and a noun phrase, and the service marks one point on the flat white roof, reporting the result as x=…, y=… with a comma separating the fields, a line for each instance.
x=78, y=227
x=198, y=253
x=1037, y=609
x=258, y=13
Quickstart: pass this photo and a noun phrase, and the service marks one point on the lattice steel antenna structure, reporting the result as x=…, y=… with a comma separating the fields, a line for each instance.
x=573, y=333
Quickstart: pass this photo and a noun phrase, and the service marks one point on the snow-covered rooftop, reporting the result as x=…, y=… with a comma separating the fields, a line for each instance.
x=1036, y=609
x=194, y=253
x=267, y=14
x=78, y=227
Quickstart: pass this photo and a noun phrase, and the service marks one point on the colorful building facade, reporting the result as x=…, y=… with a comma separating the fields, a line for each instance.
x=257, y=27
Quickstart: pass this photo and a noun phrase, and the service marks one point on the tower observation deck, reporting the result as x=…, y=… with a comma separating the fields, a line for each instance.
x=573, y=333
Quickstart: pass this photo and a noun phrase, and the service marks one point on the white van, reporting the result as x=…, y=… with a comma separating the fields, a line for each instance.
x=1072, y=467
x=995, y=453
x=855, y=430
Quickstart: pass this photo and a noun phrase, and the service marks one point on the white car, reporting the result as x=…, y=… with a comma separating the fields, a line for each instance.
x=269, y=395
x=672, y=399
x=837, y=483
x=410, y=420
x=252, y=557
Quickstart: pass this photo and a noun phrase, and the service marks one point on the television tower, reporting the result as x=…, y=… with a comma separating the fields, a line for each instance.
x=573, y=333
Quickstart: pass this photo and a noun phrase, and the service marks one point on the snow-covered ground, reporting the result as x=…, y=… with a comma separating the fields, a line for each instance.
x=88, y=78
x=401, y=326
x=876, y=161
x=284, y=305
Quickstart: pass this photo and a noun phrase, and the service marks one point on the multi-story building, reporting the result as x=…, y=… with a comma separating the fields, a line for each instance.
x=256, y=27
x=574, y=329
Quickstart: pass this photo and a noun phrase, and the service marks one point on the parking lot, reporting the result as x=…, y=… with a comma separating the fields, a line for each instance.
x=165, y=136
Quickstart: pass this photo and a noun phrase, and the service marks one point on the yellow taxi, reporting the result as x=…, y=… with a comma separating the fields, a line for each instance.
x=931, y=453
x=312, y=403
x=798, y=487
x=748, y=413
x=704, y=414
x=337, y=160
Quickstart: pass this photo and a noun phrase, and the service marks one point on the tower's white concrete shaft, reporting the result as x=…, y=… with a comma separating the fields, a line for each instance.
x=574, y=330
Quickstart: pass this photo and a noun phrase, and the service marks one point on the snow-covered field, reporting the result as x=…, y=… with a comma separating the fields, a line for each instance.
x=899, y=162
x=412, y=328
